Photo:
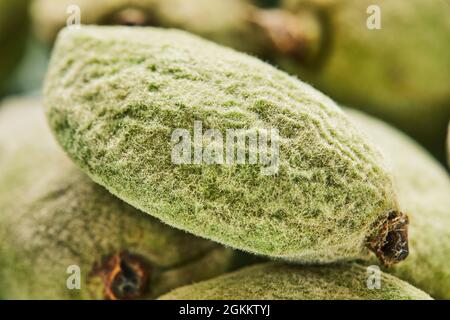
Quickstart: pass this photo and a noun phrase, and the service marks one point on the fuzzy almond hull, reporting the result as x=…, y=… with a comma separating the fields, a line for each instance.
x=274, y=281
x=114, y=97
x=56, y=224
x=423, y=189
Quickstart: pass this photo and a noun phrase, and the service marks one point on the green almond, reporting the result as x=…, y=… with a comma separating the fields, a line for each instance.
x=203, y=17
x=246, y=27
x=274, y=281
x=115, y=95
x=64, y=237
x=423, y=191
x=398, y=72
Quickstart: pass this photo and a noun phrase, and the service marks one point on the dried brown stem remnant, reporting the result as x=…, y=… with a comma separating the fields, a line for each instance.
x=124, y=275
x=289, y=35
x=130, y=16
x=391, y=243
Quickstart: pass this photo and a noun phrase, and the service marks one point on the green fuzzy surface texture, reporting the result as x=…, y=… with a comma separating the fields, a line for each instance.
x=53, y=216
x=287, y=282
x=399, y=73
x=423, y=188
x=114, y=95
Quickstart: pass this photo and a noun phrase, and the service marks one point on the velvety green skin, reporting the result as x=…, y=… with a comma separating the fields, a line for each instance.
x=114, y=95
x=274, y=281
x=424, y=195
x=399, y=73
x=53, y=216
x=13, y=33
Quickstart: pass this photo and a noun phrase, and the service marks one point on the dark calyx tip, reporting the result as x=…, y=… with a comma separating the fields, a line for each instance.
x=391, y=243
x=125, y=276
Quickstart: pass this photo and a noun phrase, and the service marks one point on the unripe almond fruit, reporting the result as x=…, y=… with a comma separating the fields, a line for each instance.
x=275, y=281
x=423, y=188
x=388, y=58
x=64, y=237
x=114, y=97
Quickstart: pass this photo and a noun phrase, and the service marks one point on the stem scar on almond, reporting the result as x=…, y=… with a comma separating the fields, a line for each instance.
x=391, y=243
x=289, y=35
x=130, y=16
x=125, y=276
